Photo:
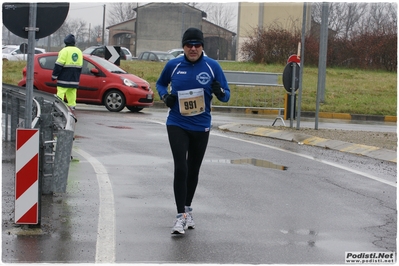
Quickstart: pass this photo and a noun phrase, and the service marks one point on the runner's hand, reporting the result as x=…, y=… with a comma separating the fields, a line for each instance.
x=217, y=89
x=169, y=100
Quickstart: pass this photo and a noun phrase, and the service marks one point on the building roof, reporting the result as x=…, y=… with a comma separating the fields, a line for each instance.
x=217, y=26
x=204, y=15
x=120, y=23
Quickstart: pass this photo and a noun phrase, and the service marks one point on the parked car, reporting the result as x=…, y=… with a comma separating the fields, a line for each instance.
x=179, y=52
x=176, y=52
x=158, y=56
x=101, y=83
x=127, y=53
x=13, y=53
x=100, y=51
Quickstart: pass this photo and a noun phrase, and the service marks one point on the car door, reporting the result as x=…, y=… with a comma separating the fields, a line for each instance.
x=89, y=84
x=152, y=57
x=17, y=55
x=144, y=56
x=42, y=74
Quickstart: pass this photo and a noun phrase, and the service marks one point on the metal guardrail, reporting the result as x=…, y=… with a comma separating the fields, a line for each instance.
x=254, y=89
x=56, y=124
x=253, y=78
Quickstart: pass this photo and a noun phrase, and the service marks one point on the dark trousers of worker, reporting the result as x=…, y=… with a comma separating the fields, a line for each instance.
x=188, y=150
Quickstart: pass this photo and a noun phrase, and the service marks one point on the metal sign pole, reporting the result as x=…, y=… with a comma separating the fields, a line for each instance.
x=321, y=83
x=302, y=56
x=293, y=93
x=29, y=74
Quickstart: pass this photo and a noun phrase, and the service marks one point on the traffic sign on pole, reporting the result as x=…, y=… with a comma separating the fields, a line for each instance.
x=288, y=76
x=49, y=18
x=112, y=54
x=294, y=59
x=33, y=21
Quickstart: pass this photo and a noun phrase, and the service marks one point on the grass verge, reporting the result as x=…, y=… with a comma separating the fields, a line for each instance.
x=346, y=91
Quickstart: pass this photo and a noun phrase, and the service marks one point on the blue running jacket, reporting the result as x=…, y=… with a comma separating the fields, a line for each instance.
x=191, y=83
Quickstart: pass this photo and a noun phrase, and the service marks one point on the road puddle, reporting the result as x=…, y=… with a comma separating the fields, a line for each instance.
x=252, y=161
x=299, y=237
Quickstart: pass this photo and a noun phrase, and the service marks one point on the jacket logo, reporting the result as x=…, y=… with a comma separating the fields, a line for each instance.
x=75, y=57
x=181, y=72
x=203, y=78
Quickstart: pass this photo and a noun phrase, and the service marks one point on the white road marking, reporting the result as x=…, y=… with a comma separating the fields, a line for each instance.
x=105, y=245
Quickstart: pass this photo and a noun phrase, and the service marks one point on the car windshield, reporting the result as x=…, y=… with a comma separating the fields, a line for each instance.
x=7, y=50
x=89, y=50
x=108, y=65
x=165, y=57
x=125, y=51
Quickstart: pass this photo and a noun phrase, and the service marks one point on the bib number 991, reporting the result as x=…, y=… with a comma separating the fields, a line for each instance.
x=189, y=105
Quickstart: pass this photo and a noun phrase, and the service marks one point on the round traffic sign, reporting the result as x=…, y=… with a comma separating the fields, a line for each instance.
x=23, y=48
x=49, y=18
x=287, y=76
x=294, y=58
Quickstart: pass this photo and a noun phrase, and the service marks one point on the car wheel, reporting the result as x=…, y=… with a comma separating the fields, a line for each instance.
x=114, y=101
x=134, y=109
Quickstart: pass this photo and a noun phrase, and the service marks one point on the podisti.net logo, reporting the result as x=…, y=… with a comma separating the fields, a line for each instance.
x=370, y=257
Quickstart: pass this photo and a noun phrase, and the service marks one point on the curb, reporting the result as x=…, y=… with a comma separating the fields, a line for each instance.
x=303, y=139
x=275, y=111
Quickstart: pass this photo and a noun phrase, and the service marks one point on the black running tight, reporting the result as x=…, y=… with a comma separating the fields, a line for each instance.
x=188, y=150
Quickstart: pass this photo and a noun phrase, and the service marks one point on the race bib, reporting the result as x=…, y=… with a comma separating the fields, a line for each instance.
x=191, y=102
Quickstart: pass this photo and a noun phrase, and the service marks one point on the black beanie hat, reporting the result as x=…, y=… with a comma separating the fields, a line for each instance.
x=193, y=35
x=69, y=39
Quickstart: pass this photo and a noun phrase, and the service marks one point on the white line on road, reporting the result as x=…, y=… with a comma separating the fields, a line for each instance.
x=105, y=245
x=315, y=159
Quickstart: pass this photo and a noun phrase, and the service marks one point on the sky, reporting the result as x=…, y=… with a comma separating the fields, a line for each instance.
x=91, y=12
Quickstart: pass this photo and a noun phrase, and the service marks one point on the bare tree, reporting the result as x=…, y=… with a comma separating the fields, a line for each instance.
x=224, y=16
x=77, y=27
x=381, y=17
x=221, y=14
x=84, y=36
x=353, y=13
x=348, y=19
x=95, y=35
x=393, y=13
x=120, y=12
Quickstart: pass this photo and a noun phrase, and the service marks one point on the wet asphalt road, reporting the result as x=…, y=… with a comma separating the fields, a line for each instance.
x=258, y=200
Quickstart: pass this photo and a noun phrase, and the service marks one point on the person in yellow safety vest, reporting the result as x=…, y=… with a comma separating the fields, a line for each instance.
x=67, y=70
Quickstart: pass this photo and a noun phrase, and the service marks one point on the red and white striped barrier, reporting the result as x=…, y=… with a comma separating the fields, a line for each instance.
x=27, y=176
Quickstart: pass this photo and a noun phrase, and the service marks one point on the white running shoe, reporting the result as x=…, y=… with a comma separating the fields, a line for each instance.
x=180, y=224
x=189, y=218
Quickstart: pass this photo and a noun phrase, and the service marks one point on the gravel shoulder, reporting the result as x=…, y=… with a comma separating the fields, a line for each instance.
x=385, y=140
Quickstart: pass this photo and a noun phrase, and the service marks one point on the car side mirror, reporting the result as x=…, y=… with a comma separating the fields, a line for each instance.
x=94, y=71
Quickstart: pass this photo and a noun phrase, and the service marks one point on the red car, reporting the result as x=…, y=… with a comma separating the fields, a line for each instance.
x=101, y=83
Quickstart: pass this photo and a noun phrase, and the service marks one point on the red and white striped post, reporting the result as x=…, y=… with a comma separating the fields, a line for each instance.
x=27, y=176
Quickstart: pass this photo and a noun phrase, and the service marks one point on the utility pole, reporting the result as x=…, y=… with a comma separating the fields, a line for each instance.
x=321, y=83
x=89, y=34
x=103, y=26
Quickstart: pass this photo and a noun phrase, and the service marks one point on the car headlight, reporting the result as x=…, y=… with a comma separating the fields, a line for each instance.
x=129, y=83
